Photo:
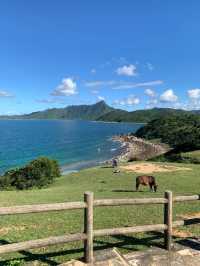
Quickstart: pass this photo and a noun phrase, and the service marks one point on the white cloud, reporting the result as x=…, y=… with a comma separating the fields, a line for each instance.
x=127, y=70
x=100, y=98
x=67, y=87
x=194, y=94
x=150, y=93
x=121, y=85
x=127, y=85
x=133, y=100
x=5, y=94
x=98, y=83
x=168, y=96
x=129, y=101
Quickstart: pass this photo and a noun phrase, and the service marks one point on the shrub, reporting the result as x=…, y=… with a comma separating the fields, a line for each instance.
x=38, y=173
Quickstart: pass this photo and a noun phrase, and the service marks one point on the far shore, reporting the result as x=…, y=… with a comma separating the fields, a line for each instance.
x=60, y=119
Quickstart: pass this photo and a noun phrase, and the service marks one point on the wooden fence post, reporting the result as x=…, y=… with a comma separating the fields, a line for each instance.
x=88, y=227
x=168, y=220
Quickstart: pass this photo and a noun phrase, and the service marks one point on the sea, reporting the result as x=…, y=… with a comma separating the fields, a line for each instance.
x=75, y=144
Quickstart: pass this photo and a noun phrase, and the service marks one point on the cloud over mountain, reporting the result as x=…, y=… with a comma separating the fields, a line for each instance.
x=168, y=96
x=129, y=101
x=194, y=94
x=67, y=87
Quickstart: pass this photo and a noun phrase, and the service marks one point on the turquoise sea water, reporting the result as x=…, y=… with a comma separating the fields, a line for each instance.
x=75, y=144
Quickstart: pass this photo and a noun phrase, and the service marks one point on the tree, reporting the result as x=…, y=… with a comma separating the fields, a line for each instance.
x=38, y=173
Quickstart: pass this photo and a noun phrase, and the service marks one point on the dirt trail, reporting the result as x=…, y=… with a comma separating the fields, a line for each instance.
x=148, y=168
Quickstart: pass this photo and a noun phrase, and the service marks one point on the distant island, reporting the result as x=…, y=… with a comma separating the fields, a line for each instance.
x=101, y=112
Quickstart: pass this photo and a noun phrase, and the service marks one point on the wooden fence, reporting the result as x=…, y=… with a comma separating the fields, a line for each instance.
x=89, y=232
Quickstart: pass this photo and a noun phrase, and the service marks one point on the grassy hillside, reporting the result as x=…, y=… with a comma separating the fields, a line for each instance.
x=105, y=184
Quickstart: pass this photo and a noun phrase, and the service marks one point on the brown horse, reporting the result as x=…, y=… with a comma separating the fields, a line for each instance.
x=146, y=180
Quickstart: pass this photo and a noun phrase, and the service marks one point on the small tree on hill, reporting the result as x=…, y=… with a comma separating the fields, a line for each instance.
x=38, y=173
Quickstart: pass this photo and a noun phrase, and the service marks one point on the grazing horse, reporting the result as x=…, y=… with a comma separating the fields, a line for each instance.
x=146, y=180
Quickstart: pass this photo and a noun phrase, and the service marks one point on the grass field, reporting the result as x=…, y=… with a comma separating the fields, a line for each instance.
x=104, y=184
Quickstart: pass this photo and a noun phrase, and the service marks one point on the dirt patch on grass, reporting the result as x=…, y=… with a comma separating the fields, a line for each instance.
x=148, y=168
x=181, y=233
x=190, y=215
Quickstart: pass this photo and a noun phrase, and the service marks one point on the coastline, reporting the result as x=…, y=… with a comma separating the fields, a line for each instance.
x=80, y=165
x=131, y=149
x=137, y=149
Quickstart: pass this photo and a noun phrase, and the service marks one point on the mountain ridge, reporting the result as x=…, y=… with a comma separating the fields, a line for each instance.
x=100, y=111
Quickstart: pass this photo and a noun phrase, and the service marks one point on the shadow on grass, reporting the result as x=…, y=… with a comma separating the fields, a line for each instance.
x=132, y=243
x=190, y=243
x=126, y=190
x=126, y=242
x=129, y=243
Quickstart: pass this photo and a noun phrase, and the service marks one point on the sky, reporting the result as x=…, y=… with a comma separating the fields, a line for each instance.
x=132, y=54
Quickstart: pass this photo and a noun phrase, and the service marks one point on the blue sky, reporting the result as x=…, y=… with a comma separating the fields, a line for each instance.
x=133, y=54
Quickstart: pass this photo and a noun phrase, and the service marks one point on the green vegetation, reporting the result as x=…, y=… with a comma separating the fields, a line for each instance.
x=142, y=116
x=101, y=112
x=193, y=156
x=182, y=132
x=179, y=157
x=104, y=184
x=38, y=173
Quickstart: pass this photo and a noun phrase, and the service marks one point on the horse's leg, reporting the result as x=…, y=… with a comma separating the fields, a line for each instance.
x=151, y=187
x=137, y=186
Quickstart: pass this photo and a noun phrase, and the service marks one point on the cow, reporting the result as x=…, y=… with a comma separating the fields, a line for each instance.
x=146, y=180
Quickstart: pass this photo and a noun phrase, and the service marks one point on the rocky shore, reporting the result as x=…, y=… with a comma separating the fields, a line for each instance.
x=135, y=149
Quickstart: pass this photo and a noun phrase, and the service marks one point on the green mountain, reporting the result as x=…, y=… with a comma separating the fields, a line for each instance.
x=139, y=115
x=100, y=112
x=82, y=112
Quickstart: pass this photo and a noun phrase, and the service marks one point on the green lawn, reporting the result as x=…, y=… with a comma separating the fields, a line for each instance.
x=192, y=154
x=104, y=184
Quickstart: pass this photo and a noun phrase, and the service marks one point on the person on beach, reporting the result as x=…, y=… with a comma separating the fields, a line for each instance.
x=115, y=165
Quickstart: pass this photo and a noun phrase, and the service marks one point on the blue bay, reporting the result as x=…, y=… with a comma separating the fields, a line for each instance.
x=75, y=144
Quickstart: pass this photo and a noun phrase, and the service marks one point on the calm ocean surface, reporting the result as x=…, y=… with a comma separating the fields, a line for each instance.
x=75, y=144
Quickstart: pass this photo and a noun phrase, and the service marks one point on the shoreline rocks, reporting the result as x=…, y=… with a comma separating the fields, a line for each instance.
x=135, y=149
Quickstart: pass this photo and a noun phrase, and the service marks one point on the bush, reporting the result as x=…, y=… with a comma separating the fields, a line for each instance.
x=38, y=173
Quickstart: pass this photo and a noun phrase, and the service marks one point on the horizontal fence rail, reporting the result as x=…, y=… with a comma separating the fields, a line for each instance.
x=186, y=198
x=89, y=232
x=129, y=230
x=38, y=243
x=42, y=208
x=117, y=202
